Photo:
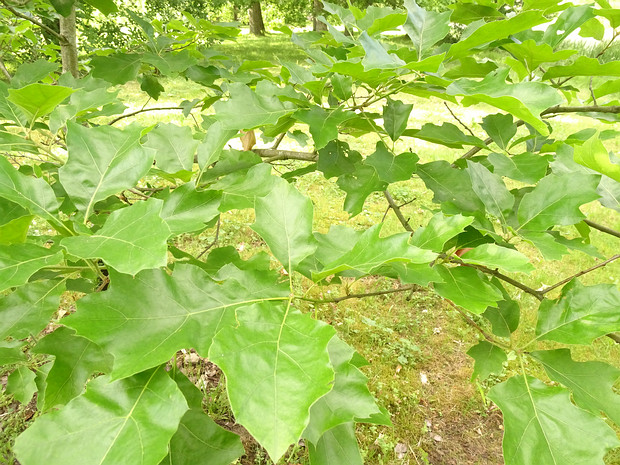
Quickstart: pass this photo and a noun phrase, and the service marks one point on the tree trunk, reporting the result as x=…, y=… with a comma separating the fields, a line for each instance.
x=68, y=45
x=257, y=27
x=235, y=13
x=317, y=10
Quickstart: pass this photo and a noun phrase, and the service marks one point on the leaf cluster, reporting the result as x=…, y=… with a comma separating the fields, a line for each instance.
x=117, y=197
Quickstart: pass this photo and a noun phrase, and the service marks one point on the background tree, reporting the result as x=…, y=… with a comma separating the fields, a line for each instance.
x=317, y=10
x=255, y=16
x=68, y=43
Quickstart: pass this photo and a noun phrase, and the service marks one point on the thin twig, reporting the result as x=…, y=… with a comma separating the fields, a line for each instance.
x=474, y=150
x=145, y=103
x=133, y=113
x=195, y=120
x=458, y=120
x=507, y=279
x=592, y=92
x=606, y=47
x=602, y=228
x=276, y=144
x=387, y=210
x=544, y=71
x=63, y=40
x=581, y=273
x=476, y=326
x=360, y=296
x=217, y=235
x=561, y=83
x=407, y=202
x=188, y=44
x=370, y=99
x=138, y=193
x=484, y=269
x=397, y=211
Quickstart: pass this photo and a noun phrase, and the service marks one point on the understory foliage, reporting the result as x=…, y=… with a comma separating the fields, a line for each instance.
x=115, y=196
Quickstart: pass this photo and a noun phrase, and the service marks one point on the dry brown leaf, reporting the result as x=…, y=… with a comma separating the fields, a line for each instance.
x=248, y=140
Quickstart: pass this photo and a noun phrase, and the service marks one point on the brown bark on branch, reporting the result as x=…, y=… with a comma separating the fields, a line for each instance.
x=217, y=236
x=276, y=144
x=286, y=155
x=467, y=128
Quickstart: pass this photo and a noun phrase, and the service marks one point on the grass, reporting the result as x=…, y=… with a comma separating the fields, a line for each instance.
x=415, y=344
x=272, y=47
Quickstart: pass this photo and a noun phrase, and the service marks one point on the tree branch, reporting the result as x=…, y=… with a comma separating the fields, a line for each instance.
x=614, y=337
x=458, y=120
x=582, y=109
x=276, y=144
x=397, y=211
x=142, y=110
x=286, y=155
x=217, y=236
x=34, y=21
x=360, y=296
x=504, y=278
x=581, y=273
x=616, y=34
x=474, y=150
x=476, y=326
x=602, y=228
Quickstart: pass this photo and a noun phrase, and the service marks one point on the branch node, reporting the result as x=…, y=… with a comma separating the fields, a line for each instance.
x=399, y=214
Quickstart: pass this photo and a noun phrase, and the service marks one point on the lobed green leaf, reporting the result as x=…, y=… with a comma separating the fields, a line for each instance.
x=129, y=420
